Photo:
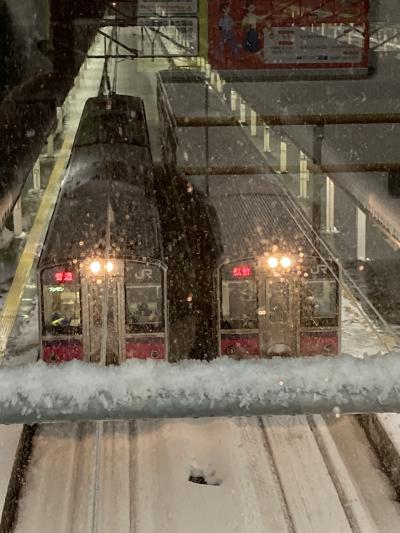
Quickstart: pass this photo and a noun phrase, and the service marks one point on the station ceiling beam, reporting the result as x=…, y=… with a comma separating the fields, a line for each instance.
x=315, y=119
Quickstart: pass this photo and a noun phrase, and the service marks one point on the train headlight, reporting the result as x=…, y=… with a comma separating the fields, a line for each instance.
x=109, y=266
x=95, y=267
x=285, y=261
x=272, y=262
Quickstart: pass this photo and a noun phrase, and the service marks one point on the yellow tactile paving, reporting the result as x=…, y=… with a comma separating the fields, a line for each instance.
x=33, y=244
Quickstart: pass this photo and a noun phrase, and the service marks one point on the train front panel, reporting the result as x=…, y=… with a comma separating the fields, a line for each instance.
x=104, y=311
x=278, y=305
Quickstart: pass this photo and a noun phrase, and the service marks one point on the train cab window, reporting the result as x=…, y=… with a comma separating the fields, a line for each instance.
x=61, y=302
x=239, y=305
x=144, y=299
x=319, y=303
x=278, y=302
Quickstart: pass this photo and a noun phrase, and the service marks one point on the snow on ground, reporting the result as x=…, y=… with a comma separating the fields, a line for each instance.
x=173, y=456
x=176, y=476
x=360, y=335
x=9, y=439
x=370, y=190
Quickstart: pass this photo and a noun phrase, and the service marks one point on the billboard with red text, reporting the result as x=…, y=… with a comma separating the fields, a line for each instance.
x=288, y=34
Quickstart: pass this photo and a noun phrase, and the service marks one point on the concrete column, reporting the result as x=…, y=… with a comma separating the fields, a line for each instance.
x=283, y=158
x=66, y=106
x=59, y=119
x=208, y=71
x=17, y=218
x=317, y=186
x=71, y=96
x=219, y=83
x=234, y=99
x=36, y=176
x=213, y=76
x=267, y=139
x=304, y=176
x=50, y=146
x=318, y=137
x=361, y=235
x=330, y=205
x=253, y=123
x=242, y=111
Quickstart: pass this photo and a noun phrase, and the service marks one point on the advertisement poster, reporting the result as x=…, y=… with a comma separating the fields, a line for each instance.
x=167, y=7
x=268, y=34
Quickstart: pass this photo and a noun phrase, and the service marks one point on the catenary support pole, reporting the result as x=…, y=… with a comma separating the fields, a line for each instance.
x=361, y=235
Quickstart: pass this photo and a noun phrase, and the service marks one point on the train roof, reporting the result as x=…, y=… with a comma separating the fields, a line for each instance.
x=119, y=162
x=248, y=224
x=111, y=120
x=224, y=149
x=114, y=103
x=79, y=224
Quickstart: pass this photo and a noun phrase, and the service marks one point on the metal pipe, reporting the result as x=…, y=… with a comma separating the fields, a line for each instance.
x=223, y=387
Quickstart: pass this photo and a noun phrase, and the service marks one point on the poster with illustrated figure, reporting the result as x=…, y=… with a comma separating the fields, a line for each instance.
x=268, y=34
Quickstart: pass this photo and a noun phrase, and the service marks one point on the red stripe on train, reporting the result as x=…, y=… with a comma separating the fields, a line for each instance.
x=319, y=343
x=145, y=350
x=61, y=351
x=240, y=346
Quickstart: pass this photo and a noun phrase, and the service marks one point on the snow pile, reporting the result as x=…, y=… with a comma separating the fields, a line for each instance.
x=145, y=389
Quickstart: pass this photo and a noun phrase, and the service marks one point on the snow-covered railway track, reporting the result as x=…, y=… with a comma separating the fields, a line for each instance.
x=270, y=474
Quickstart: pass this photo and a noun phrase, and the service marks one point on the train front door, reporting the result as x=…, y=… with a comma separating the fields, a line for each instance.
x=277, y=322
x=103, y=319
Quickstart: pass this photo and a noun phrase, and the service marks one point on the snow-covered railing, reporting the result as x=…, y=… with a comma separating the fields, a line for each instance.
x=224, y=387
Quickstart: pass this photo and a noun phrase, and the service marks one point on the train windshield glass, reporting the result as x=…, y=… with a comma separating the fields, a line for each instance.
x=279, y=302
x=61, y=302
x=319, y=302
x=238, y=298
x=144, y=298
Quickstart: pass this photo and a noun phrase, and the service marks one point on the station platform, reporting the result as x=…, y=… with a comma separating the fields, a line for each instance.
x=375, y=146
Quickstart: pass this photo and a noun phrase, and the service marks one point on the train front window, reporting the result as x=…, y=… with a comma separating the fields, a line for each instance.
x=319, y=302
x=279, y=302
x=61, y=302
x=239, y=305
x=144, y=299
